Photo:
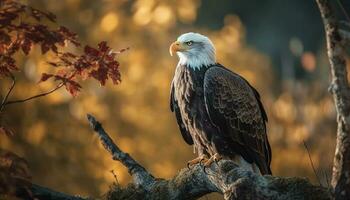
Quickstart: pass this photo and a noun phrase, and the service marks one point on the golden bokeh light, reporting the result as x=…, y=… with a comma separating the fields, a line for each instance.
x=163, y=15
x=308, y=61
x=109, y=22
x=187, y=10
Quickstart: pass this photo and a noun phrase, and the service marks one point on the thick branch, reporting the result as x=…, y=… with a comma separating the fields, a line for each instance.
x=341, y=96
x=34, y=191
x=140, y=175
x=225, y=178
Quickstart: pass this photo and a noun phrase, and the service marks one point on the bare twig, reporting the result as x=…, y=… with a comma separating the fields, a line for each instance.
x=140, y=175
x=344, y=24
x=4, y=101
x=312, y=163
x=115, y=176
x=327, y=178
x=345, y=36
x=343, y=10
x=35, y=96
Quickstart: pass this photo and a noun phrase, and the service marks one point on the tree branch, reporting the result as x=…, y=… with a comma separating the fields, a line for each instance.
x=345, y=36
x=343, y=10
x=225, y=178
x=33, y=191
x=35, y=96
x=4, y=101
x=140, y=175
x=341, y=95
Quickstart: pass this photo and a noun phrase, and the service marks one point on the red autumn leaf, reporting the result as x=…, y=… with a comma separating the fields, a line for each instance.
x=54, y=48
x=69, y=55
x=97, y=62
x=6, y=131
x=36, y=14
x=62, y=73
x=5, y=38
x=101, y=74
x=50, y=16
x=26, y=46
x=54, y=64
x=45, y=76
x=113, y=72
x=115, y=76
x=9, y=63
x=102, y=46
x=4, y=71
x=110, y=57
x=92, y=52
x=16, y=166
x=72, y=87
x=44, y=48
x=65, y=31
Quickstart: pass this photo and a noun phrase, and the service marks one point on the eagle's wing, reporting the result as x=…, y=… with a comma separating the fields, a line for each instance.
x=235, y=108
x=174, y=107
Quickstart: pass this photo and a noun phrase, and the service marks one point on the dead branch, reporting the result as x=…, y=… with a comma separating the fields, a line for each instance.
x=225, y=178
x=140, y=175
x=37, y=192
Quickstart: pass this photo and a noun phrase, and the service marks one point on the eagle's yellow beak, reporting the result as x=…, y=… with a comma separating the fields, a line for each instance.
x=175, y=47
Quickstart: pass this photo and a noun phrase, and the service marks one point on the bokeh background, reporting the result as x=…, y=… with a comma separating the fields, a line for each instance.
x=278, y=46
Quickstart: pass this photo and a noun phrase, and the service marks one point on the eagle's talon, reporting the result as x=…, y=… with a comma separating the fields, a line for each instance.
x=203, y=161
x=214, y=158
x=197, y=160
x=188, y=165
x=205, y=171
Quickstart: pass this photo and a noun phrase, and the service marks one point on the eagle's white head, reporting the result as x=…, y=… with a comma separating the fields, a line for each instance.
x=194, y=50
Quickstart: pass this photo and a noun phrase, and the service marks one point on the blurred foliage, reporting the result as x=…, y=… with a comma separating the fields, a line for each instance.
x=52, y=133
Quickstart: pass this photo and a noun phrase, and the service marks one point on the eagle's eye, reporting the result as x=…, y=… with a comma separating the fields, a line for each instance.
x=189, y=43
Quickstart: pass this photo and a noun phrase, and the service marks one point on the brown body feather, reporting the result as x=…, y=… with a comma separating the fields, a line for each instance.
x=220, y=112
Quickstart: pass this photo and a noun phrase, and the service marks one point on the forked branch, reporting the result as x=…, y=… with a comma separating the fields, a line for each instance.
x=4, y=101
x=140, y=175
x=35, y=96
x=225, y=178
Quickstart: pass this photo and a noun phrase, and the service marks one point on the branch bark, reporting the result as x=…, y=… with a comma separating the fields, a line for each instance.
x=36, y=192
x=140, y=175
x=341, y=95
x=225, y=177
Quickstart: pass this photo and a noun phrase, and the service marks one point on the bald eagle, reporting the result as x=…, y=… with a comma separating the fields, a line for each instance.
x=217, y=110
